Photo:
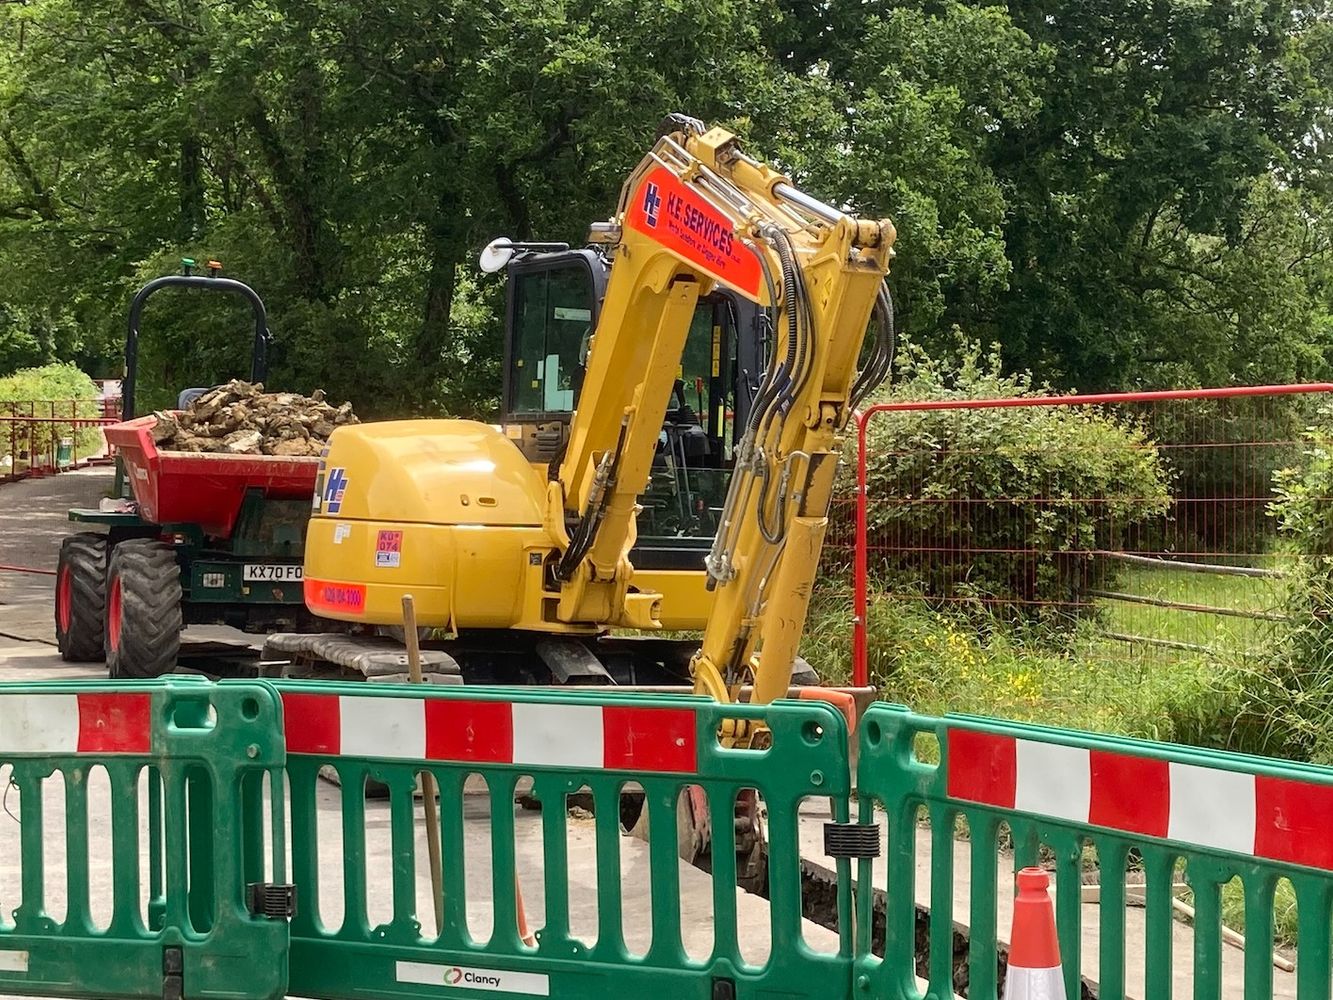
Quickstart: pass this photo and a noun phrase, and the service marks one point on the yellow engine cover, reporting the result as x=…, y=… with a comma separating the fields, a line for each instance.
x=446, y=510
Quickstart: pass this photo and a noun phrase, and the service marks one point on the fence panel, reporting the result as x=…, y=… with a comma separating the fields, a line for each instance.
x=1119, y=815
x=43, y=437
x=989, y=511
x=157, y=789
x=487, y=748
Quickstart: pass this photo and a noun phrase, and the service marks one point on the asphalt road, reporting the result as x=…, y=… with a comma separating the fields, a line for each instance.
x=33, y=520
x=32, y=523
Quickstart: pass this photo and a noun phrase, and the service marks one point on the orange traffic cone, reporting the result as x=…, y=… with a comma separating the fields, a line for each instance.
x=1034, y=950
x=524, y=932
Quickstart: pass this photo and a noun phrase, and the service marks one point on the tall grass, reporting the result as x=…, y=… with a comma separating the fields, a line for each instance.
x=936, y=663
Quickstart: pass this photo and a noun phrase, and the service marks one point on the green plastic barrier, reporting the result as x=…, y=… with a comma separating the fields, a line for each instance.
x=1141, y=805
x=204, y=750
x=565, y=741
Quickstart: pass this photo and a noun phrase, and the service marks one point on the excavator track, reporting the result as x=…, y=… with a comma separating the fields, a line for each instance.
x=484, y=657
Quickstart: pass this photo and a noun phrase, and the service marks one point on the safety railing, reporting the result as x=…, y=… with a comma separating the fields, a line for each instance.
x=138, y=821
x=43, y=437
x=150, y=853
x=516, y=916
x=1137, y=524
x=1133, y=821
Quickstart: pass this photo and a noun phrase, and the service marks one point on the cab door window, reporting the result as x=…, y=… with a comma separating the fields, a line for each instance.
x=553, y=319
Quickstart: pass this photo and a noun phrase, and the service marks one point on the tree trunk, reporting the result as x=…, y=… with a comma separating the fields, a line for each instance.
x=433, y=339
x=192, y=204
x=307, y=233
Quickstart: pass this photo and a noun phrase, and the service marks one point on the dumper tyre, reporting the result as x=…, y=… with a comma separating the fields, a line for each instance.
x=80, y=604
x=143, y=609
x=802, y=674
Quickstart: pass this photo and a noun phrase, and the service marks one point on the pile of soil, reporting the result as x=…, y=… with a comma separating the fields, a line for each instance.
x=240, y=418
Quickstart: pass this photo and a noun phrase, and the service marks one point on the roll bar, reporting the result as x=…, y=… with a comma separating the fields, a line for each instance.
x=259, y=358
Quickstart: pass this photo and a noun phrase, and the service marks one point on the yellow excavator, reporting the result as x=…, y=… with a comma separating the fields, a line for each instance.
x=524, y=560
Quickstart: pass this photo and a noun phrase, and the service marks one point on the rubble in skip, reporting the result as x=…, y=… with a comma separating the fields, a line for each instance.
x=240, y=418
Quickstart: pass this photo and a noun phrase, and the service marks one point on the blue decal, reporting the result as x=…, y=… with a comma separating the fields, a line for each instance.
x=652, y=201
x=334, y=488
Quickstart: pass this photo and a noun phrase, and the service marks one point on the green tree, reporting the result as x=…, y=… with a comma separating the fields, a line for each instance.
x=1120, y=193
x=910, y=101
x=347, y=160
x=1164, y=133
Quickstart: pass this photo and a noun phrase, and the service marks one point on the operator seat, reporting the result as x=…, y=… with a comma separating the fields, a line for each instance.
x=188, y=396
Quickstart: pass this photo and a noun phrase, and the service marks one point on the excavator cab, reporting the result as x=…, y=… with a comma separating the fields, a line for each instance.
x=554, y=297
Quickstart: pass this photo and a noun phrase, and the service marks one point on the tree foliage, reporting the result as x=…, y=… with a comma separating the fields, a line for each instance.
x=66, y=391
x=1121, y=193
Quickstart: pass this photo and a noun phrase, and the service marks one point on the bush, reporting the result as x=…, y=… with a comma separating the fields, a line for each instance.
x=61, y=383
x=1004, y=507
x=1295, y=705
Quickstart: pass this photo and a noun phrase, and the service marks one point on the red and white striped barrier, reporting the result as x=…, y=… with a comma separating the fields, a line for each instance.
x=594, y=737
x=1034, y=948
x=63, y=724
x=1274, y=818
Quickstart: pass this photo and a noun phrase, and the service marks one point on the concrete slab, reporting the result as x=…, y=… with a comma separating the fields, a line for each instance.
x=21, y=660
x=378, y=861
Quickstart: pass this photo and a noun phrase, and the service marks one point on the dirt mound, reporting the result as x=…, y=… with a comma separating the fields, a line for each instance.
x=240, y=418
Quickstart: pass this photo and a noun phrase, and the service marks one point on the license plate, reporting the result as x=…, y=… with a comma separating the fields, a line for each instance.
x=271, y=572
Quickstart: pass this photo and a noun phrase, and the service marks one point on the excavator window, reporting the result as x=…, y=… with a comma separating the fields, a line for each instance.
x=553, y=317
x=554, y=299
x=692, y=467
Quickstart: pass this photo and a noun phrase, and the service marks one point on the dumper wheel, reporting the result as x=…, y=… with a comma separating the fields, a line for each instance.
x=81, y=597
x=802, y=674
x=143, y=609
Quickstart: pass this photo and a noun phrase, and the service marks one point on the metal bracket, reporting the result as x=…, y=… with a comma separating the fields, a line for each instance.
x=173, y=974
x=851, y=840
x=273, y=900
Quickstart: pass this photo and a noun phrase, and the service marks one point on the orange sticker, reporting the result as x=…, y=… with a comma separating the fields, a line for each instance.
x=668, y=212
x=345, y=598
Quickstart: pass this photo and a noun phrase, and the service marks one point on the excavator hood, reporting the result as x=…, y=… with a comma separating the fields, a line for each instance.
x=430, y=472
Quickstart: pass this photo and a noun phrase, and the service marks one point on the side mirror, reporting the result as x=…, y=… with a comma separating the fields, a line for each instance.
x=497, y=254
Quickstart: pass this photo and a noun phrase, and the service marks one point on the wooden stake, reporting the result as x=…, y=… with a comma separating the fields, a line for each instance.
x=428, y=790
x=1234, y=938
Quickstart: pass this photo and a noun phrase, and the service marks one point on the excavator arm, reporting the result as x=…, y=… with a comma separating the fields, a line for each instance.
x=697, y=212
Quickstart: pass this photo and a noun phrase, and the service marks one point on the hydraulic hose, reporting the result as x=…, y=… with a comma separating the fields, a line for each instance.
x=586, y=531
x=885, y=345
x=799, y=363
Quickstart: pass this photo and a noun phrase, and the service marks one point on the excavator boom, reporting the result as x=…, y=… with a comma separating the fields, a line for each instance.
x=698, y=212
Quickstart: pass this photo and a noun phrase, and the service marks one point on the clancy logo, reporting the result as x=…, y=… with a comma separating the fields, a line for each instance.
x=529, y=984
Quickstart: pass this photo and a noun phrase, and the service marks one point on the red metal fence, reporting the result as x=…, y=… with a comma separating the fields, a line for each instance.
x=1139, y=522
x=43, y=437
